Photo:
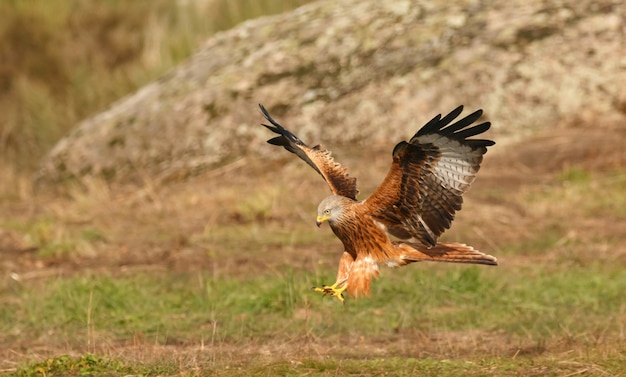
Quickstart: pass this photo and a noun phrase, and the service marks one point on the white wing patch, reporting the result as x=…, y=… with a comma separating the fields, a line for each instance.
x=426, y=228
x=457, y=167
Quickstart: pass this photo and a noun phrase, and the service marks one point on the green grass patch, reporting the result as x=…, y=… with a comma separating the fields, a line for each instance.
x=422, y=298
x=527, y=308
x=575, y=175
x=583, y=194
x=53, y=237
x=91, y=365
x=86, y=365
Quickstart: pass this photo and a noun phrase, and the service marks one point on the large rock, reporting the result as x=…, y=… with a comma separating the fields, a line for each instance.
x=346, y=71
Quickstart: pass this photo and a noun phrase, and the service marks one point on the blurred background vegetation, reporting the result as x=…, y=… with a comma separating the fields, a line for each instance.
x=62, y=60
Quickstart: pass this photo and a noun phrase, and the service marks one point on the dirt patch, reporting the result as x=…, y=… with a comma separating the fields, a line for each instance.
x=594, y=147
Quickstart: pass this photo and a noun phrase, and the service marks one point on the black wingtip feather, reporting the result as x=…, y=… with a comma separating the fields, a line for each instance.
x=277, y=128
x=451, y=116
x=479, y=143
x=278, y=140
x=269, y=118
x=437, y=123
x=472, y=131
x=429, y=127
x=462, y=123
x=457, y=130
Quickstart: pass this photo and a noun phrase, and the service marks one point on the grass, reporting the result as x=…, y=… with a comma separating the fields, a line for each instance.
x=85, y=365
x=581, y=308
x=431, y=300
x=62, y=61
x=393, y=366
x=213, y=276
x=227, y=292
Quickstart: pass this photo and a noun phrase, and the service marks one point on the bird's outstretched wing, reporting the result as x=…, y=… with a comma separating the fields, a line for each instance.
x=319, y=159
x=423, y=189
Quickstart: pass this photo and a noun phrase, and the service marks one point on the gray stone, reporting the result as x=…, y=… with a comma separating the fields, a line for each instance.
x=352, y=71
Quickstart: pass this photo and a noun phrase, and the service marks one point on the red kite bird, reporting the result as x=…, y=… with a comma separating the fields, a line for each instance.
x=415, y=203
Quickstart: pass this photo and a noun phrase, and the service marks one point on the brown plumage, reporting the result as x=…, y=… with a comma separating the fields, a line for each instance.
x=416, y=202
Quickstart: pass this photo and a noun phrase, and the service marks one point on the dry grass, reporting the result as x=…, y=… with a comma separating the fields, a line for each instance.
x=61, y=61
x=211, y=276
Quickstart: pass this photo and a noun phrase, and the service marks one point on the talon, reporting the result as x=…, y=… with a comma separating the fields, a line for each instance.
x=332, y=291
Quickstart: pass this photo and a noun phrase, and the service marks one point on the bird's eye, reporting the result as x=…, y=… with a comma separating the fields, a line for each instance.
x=326, y=212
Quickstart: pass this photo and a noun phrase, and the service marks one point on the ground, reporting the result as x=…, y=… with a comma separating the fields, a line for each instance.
x=212, y=276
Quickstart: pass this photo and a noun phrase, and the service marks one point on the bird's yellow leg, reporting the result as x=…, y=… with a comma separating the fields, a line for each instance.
x=332, y=290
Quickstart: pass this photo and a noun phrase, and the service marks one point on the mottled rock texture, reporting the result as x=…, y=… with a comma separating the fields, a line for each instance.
x=360, y=71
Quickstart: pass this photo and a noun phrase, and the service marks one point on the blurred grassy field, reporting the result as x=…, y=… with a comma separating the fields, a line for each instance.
x=213, y=276
x=61, y=61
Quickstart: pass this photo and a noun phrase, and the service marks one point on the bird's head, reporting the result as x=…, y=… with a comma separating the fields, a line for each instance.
x=331, y=209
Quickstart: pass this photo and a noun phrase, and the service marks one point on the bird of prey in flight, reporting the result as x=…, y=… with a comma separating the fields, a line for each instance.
x=415, y=203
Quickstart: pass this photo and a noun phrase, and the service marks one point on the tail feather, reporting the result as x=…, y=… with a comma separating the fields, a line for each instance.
x=444, y=252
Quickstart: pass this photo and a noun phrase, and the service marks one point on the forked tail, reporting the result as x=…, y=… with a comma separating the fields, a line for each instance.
x=444, y=252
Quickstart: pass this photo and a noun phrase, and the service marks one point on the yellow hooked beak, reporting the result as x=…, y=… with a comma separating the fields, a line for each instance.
x=320, y=220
